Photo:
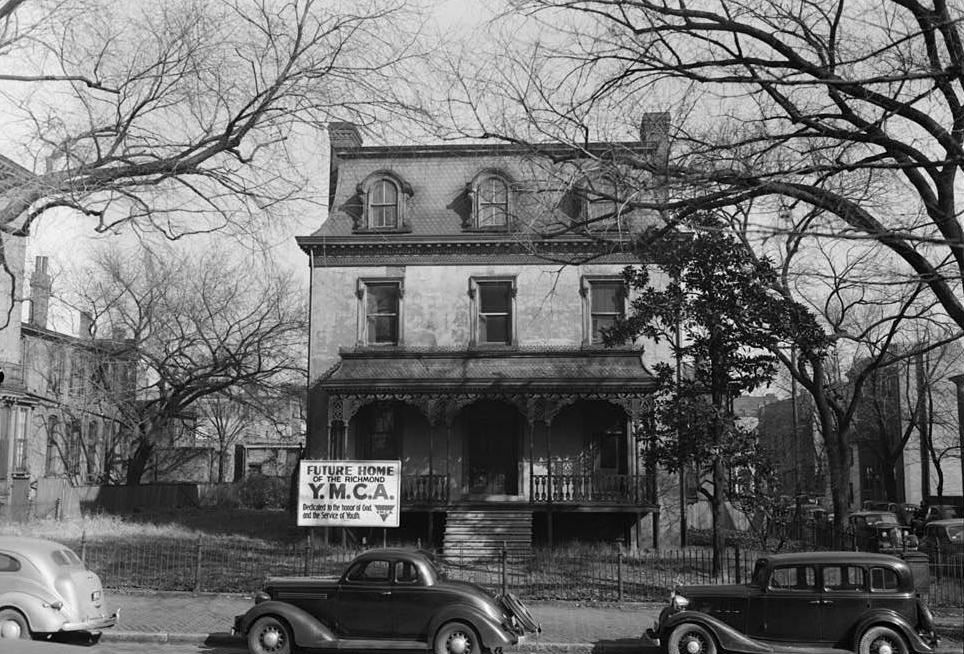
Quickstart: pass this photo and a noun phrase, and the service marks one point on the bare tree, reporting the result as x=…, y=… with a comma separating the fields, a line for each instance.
x=856, y=110
x=195, y=326
x=183, y=116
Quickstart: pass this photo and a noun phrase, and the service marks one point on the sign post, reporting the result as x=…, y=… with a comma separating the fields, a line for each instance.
x=349, y=493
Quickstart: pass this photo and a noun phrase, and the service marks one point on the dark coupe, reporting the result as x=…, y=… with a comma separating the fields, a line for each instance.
x=856, y=601
x=386, y=599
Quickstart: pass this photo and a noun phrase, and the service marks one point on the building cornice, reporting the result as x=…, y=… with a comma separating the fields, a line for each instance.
x=352, y=251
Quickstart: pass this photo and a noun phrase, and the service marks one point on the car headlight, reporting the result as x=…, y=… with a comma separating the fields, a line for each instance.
x=678, y=601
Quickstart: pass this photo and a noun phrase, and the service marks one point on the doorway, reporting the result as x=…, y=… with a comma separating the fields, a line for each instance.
x=492, y=449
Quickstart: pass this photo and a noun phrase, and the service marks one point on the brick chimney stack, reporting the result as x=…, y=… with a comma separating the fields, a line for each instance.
x=341, y=136
x=40, y=287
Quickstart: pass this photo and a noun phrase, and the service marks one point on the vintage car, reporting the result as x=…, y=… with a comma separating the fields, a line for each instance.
x=386, y=599
x=943, y=542
x=856, y=601
x=880, y=531
x=46, y=589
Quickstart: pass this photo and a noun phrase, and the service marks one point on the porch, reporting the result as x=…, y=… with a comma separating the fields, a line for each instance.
x=592, y=490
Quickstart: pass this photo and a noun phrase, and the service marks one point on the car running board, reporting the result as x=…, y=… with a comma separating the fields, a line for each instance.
x=376, y=645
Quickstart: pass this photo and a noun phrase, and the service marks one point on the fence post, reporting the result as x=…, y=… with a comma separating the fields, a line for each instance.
x=503, y=554
x=738, y=571
x=197, y=567
x=83, y=546
x=57, y=515
x=619, y=570
x=307, y=555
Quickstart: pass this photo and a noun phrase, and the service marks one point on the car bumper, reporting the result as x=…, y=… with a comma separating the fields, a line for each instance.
x=92, y=624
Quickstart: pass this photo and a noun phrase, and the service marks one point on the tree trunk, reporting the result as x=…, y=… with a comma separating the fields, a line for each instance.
x=719, y=516
x=138, y=462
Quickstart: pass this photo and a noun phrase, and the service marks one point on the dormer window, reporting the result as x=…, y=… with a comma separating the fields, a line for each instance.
x=492, y=203
x=383, y=204
x=379, y=203
x=489, y=202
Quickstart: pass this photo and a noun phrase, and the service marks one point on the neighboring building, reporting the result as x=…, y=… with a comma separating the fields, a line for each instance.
x=787, y=433
x=449, y=332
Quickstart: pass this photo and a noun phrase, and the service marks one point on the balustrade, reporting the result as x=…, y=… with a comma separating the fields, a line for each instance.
x=598, y=488
x=425, y=488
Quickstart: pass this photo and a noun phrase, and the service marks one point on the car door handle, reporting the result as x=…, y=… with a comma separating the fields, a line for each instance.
x=827, y=603
x=385, y=593
x=815, y=603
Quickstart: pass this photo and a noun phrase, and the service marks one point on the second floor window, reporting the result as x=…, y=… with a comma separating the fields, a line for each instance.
x=382, y=312
x=607, y=304
x=383, y=205
x=494, y=300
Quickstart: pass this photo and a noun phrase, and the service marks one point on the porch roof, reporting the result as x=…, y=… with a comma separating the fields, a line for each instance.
x=591, y=371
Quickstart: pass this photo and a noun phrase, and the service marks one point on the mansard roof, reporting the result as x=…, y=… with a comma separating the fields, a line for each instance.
x=435, y=186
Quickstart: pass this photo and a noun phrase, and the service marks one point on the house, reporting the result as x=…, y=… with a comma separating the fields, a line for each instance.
x=458, y=298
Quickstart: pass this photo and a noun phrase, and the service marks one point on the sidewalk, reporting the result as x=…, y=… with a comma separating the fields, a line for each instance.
x=570, y=627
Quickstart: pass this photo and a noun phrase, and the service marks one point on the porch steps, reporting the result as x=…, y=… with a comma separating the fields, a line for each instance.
x=478, y=534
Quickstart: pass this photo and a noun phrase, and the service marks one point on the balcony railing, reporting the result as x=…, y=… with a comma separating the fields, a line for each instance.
x=597, y=488
x=592, y=489
x=425, y=489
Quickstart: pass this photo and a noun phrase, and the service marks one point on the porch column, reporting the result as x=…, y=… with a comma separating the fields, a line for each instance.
x=532, y=436
x=549, y=482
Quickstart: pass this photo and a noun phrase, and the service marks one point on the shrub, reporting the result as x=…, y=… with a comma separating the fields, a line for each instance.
x=263, y=492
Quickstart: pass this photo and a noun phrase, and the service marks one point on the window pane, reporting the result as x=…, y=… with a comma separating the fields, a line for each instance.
x=607, y=297
x=795, y=578
x=492, y=215
x=844, y=577
x=382, y=298
x=493, y=190
x=494, y=297
x=382, y=329
x=494, y=329
x=600, y=323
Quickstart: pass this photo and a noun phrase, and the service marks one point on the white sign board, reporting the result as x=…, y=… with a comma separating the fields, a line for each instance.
x=349, y=493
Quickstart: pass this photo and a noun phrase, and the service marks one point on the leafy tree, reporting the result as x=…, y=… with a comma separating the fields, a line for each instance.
x=722, y=319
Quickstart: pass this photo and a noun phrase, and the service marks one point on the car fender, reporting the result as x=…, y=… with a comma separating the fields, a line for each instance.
x=40, y=618
x=492, y=633
x=728, y=638
x=894, y=620
x=306, y=629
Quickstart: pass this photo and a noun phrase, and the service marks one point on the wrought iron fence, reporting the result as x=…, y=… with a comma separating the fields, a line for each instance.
x=603, y=573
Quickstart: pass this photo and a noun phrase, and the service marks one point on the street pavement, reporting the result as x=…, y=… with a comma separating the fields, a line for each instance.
x=567, y=627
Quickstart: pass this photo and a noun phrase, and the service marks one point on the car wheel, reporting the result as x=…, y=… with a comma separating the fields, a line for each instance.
x=457, y=638
x=689, y=638
x=13, y=625
x=269, y=635
x=881, y=640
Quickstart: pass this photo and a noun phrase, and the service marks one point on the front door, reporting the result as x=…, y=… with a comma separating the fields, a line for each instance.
x=493, y=453
x=792, y=606
x=363, y=607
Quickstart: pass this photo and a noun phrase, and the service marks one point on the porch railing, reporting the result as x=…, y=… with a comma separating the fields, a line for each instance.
x=598, y=488
x=425, y=488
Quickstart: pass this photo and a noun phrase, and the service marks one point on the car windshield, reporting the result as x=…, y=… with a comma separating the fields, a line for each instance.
x=874, y=518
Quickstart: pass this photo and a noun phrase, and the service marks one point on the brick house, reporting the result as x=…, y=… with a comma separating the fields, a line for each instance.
x=456, y=321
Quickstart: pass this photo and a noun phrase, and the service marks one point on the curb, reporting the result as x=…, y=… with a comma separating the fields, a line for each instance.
x=230, y=640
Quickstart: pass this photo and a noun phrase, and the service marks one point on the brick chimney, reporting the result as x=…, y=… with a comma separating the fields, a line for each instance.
x=40, y=286
x=341, y=136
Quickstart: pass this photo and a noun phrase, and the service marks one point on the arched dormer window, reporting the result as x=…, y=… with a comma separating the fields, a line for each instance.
x=491, y=194
x=382, y=205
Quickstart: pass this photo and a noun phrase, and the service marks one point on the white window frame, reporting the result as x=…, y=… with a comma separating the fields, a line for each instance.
x=361, y=292
x=370, y=204
x=479, y=204
x=475, y=307
x=585, y=290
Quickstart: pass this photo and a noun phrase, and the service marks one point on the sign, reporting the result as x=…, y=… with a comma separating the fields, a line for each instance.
x=349, y=493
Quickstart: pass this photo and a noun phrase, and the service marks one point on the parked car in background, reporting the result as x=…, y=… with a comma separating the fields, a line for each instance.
x=943, y=542
x=880, y=531
x=46, y=589
x=386, y=599
x=863, y=602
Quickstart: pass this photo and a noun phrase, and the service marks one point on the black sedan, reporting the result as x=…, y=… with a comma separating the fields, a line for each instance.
x=854, y=601
x=386, y=599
